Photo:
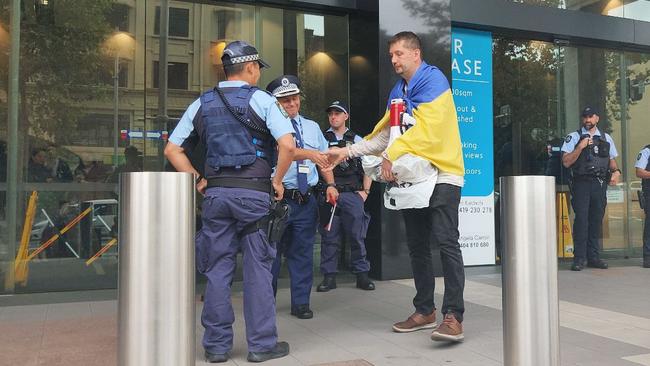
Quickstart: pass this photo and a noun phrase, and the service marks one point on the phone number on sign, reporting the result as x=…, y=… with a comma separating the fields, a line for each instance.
x=475, y=210
x=481, y=244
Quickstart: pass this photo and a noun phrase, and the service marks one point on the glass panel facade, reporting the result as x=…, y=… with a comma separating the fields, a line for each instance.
x=631, y=9
x=637, y=77
x=539, y=91
x=89, y=109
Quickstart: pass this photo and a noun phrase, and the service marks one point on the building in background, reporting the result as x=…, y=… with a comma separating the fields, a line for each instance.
x=90, y=99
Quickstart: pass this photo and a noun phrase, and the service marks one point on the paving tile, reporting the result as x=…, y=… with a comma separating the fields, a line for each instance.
x=353, y=327
x=68, y=311
x=346, y=363
x=24, y=313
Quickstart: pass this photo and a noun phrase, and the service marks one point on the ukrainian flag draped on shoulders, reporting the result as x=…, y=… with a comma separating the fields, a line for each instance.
x=435, y=136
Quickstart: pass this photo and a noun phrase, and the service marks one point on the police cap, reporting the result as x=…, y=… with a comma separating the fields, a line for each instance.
x=589, y=111
x=284, y=86
x=338, y=105
x=238, y=52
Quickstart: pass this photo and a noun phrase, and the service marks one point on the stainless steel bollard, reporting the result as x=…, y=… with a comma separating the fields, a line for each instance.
x=529, y=265
x=156, y=305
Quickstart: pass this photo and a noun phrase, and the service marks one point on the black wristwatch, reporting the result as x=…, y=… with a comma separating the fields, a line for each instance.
x=333, y=185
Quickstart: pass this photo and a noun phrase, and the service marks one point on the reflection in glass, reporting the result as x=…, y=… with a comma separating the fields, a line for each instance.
x=632, y=9
x=637, y=78
x=526, y=134
x=87, y=112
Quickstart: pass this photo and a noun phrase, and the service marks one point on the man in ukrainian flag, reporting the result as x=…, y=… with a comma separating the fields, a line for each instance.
x=435, y=137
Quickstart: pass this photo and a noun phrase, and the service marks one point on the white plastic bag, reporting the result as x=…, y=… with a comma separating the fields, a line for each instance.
x=416, y=180
x=372, y=167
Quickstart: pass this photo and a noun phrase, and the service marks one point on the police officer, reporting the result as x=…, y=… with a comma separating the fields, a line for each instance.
x=239, y=124
x=297, y=244
x=590, y=156
x=349, y=216
x=643, y=171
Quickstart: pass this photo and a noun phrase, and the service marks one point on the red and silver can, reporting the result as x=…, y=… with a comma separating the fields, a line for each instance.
x=397, y=107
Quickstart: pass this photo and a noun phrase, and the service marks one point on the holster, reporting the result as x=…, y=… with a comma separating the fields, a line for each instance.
x=278, y=218
x=641, y=196
x=273, y=224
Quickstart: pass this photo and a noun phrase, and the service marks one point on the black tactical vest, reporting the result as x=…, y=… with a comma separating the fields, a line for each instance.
x=348, y=173
x=233, y=149
x=593, y=161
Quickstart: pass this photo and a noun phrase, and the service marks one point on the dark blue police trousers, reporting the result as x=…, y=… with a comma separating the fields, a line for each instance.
x=225, y=213
x=297, y=246
x=588, y=199
x=351, y=220
x=646, y=227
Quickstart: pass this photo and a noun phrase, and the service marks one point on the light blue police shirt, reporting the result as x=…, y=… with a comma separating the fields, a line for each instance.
x=573, y=138
x=314, y=140
x=642, y=158
x=263, y=104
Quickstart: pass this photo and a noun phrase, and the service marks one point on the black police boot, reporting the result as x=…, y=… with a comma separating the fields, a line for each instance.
x=216, y=357
x=577, y=266
x=363, y=282
x=281, y=349
x=597, y=263
x=329, y=283
x=646, y=262
x=302, y=312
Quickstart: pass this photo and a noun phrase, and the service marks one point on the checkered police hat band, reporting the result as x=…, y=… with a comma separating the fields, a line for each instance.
x=248, y=58
x=291, y=88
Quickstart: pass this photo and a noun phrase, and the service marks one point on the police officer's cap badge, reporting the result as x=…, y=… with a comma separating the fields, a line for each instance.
x=567, y=139
x=284, y=82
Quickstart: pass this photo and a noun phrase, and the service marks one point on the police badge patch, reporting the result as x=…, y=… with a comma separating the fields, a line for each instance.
x=567, y=139
x=638, y=157
x=284, y=113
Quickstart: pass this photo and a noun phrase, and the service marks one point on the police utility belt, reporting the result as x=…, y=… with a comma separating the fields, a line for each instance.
x=298, y=197
x=262, y=184
x=275, y=221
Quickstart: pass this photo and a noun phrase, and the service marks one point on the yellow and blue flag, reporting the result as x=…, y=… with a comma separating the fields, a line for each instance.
x=435, y=136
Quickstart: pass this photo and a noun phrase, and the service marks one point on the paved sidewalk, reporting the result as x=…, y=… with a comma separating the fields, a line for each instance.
x=605, y=319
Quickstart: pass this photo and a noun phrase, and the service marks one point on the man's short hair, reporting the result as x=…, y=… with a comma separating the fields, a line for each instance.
x=411, y=40
x=234, y=69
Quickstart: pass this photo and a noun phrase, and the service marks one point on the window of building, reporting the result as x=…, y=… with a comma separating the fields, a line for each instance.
x=176, y=75
x=229, y=23
x=118, y=17
x=97, y=130
x=179, y=22
x=631, y=9
x=106, y=74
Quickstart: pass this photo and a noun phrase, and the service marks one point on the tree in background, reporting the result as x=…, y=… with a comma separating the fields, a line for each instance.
x=61, y=62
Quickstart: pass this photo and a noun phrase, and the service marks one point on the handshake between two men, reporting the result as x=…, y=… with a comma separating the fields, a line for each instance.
x=327, y=161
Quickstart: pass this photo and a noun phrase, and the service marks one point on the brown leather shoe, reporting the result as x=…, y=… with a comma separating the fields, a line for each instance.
x=450, y=330
x=415, y=322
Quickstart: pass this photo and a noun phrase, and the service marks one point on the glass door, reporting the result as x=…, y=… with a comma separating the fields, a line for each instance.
x=635, y=77
x=592, y=76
